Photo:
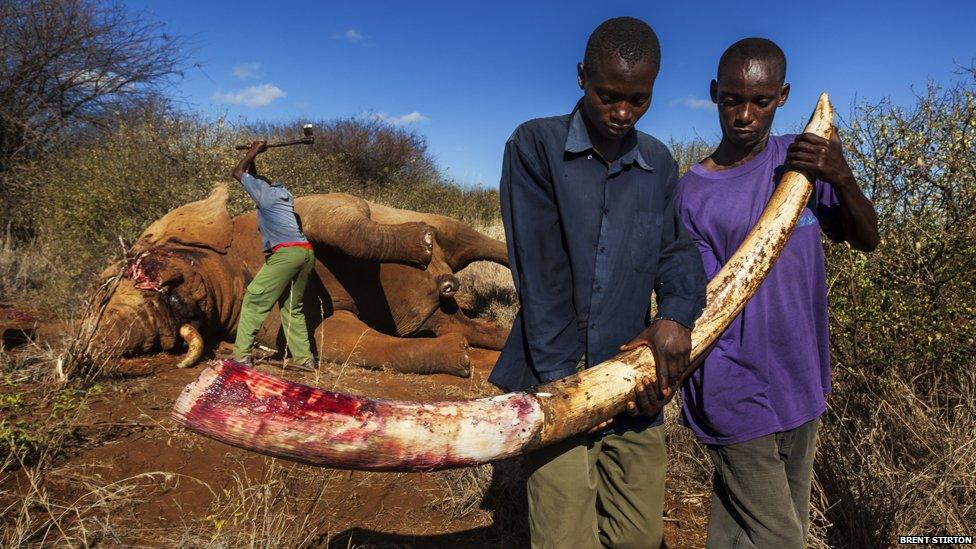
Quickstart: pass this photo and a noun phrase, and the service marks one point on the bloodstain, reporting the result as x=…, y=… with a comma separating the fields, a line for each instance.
x=145, y=269
x=238, y=388
x=524, y=407
x=257, y=411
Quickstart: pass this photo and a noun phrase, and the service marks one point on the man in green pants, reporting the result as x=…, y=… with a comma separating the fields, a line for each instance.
x=288, y=264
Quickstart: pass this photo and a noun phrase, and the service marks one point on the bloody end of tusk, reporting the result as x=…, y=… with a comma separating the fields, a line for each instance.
x=194, y=342
x=244, y=407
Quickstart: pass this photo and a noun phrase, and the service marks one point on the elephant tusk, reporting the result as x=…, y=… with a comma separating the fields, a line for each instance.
x=252, y=410
x=194, y=342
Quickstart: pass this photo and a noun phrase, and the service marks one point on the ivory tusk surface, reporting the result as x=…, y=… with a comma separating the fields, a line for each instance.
x=194, y=343
x=258, y=412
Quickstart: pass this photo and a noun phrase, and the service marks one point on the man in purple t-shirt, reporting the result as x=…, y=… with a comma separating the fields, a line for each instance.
x=757, y=399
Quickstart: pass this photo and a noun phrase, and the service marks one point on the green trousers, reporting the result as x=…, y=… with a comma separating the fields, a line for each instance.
x=281, y=280
x=598, y=491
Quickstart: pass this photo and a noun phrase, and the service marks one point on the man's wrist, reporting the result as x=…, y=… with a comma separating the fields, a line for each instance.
x=675, y=320
x=844, y=182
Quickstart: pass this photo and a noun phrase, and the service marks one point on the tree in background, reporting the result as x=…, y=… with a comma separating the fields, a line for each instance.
x=67, y=67
x=689, y=152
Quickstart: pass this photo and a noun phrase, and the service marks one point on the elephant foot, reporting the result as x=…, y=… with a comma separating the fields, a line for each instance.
x=479, y=332
x=448, y=285
x=418, y=239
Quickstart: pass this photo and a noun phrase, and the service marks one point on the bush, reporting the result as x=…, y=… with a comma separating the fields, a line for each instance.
x=896, y=445
x=689, y=152
x=104, y=193
x=67, y=66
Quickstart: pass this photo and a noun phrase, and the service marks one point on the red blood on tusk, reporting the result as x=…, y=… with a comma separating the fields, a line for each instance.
x=244, y=407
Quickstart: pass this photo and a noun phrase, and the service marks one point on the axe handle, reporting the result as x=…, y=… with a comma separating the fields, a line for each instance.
x=302, y=141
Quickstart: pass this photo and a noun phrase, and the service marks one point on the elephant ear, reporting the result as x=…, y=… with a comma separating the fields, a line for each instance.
x=204, y=223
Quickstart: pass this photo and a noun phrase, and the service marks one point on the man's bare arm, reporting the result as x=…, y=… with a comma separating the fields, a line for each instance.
x=247, y=164
x=825, y=159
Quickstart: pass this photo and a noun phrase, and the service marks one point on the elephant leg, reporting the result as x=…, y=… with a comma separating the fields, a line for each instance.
x=479, y=332
x=344, y=338
x=461, y=244
x=343, y=223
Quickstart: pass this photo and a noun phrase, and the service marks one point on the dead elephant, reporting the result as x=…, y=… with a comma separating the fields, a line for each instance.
x=381, y=274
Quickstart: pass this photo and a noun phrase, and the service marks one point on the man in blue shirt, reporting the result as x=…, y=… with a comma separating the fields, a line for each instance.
x=288, y=265
x=587, y=203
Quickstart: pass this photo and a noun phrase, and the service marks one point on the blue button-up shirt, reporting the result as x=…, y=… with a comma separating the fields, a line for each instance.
x=588, y=243
x=276, y=212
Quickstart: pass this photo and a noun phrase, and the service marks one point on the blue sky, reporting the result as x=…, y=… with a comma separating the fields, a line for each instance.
x=464, y=75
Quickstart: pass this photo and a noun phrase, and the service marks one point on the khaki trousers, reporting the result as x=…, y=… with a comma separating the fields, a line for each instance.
x=598, y=491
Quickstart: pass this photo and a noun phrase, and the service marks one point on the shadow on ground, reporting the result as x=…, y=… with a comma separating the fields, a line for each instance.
x=505, y=498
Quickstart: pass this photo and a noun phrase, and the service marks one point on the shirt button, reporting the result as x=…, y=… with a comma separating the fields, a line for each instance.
x=603, y=249
x=593, y=326
x=589, y=157
x=606, y=211
x=598, y=288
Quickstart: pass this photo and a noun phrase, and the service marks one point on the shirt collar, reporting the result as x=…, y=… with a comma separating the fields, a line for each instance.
x=578, y=141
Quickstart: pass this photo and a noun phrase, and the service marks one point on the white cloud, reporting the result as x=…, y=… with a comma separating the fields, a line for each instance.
x=404, y=120
x=253, y=96
x=247, y=71
x=350, y=35
x=696, y=103
x=101, y=81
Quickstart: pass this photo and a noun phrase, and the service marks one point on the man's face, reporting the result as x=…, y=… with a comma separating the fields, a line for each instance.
x=616, y=95
x=747, y=93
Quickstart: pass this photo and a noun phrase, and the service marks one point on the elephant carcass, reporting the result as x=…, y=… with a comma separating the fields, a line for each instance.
x=381, y=274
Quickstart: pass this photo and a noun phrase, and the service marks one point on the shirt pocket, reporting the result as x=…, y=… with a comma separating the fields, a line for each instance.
x=645, y=245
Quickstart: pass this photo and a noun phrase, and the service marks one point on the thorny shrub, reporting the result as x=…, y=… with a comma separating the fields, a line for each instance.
x=896, y=453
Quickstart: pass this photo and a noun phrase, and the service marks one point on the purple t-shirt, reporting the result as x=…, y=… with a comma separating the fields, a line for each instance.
x=770, y=370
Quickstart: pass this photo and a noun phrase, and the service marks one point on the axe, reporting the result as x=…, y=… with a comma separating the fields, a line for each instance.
x=307, y=139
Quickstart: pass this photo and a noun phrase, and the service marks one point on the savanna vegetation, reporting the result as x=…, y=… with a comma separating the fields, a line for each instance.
x=79, y=184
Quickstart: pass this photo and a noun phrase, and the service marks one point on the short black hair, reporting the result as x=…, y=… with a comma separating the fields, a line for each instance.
x=761, y=49
x=628, y=38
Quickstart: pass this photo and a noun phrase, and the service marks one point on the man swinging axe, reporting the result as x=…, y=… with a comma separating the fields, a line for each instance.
x=289, y=261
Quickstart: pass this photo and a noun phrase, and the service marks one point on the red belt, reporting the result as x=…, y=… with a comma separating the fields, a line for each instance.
x=306, y=245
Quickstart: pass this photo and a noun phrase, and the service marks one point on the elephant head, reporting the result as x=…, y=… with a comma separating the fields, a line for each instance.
x=166, y=288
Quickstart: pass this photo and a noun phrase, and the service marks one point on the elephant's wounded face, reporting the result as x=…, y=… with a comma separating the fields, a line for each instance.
x=164, y=286
x=158, y=292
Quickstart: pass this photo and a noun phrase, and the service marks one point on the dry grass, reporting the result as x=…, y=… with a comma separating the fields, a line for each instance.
x=689, y=475
x=23, y=267
x=894, y=461
x=94, y=515
x=278, y=508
